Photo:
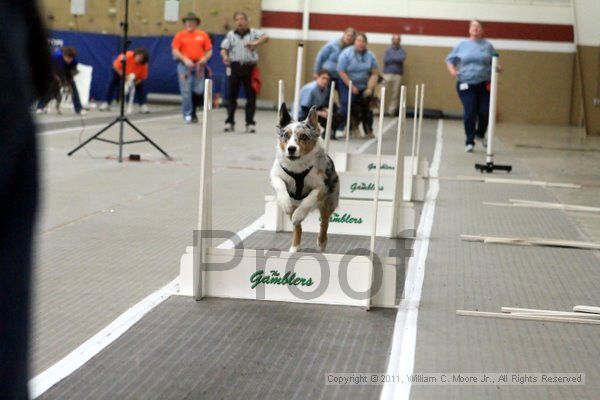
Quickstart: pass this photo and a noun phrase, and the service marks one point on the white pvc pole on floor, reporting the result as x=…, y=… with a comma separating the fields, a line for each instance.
x=280, y=95
x=376, y=195
x=329, y=117
x=348, y=121
x=300, y=59
x=205, y=197
x=414, y=136
x=416, y=159
x=492, y=117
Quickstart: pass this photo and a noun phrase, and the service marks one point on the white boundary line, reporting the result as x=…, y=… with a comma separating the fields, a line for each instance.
x=99, y=341
x=82, y=354
x=402, y=354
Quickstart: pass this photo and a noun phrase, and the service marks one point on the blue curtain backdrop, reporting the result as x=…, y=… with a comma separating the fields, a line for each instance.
x=100, y=50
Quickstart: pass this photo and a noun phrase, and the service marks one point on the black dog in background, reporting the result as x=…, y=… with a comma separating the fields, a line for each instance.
x=362, y=114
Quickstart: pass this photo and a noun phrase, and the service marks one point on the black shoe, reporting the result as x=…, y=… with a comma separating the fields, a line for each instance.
x=194, y=119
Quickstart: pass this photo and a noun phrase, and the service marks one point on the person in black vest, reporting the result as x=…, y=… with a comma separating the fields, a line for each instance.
x=239, y=54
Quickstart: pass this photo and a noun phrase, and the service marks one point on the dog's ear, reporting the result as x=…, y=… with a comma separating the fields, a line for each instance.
x=284, y=116
x=312, y=119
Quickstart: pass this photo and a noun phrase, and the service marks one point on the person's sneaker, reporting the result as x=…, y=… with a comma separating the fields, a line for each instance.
x=144, y=109
x=250, y=128
x=39, y=111
x=187, y=119
x=104, y=107
x=194, y=119
x=82, y=112
x=469, y=148
x=228, y=127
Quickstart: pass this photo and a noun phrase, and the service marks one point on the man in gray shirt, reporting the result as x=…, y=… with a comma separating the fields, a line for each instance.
x=393, y=68
x=239, y=55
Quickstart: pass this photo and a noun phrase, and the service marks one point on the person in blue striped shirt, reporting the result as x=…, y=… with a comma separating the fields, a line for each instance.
x=470, y=62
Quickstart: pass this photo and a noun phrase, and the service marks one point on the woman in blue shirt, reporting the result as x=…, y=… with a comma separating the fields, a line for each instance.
x=359, y=65
x=471, y=63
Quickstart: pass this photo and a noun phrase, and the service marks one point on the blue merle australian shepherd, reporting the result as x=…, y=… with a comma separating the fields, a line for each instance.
x=303, y=175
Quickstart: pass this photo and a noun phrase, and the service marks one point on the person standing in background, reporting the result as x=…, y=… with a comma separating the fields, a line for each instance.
x=25, y=73
x=359, y=65
x=393, y=69
x=327, y=58
x=192, y=48
x=136, y=63
x=238, y=51
x=470, y=62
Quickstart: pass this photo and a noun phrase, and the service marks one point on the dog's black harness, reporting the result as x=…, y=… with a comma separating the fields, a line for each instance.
x=298, y=178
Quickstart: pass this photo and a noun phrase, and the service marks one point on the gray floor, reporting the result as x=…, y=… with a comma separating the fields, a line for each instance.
x=485, y=277
x=228, y=349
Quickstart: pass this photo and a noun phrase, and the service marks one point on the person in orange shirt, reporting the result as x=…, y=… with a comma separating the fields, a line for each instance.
x=136, y=62
x=192, y=49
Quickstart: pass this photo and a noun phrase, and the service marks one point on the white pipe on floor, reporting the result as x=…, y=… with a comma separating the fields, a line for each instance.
x=329, y=117
x=492, y=118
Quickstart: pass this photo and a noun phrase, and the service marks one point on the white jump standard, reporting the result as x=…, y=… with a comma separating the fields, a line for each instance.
x=276, y=275
x=489, y=165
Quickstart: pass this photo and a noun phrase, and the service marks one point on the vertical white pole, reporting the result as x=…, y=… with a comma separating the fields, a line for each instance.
x=329, y=117
x=299, y=63
x=376, y=195
x=205, y=198
x=492, y=118
x=414, y=136
x=348, y=123
x=280, y=95
x=300, y=59
x=399, y=171
x=416, y=158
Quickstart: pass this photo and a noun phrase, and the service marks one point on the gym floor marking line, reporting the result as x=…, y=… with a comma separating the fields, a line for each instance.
x=402, y=354
x=91, y=347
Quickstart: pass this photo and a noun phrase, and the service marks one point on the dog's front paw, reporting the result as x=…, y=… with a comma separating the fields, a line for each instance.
x=299, y=215
x=293, y=249
x=287, y=206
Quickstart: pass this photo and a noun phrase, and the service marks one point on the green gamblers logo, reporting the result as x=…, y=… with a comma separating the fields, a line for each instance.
x=363, y=186
x=372, y=166
x=276, y=279
x=344, y=219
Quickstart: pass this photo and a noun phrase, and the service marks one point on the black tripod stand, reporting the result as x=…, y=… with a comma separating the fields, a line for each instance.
x=121, y=119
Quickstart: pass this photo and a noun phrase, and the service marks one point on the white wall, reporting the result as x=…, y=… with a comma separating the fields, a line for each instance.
x=538, y=11
x=587, y=22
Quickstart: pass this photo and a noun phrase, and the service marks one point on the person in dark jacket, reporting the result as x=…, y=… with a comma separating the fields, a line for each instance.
x=24, y=76
x=64, y=63
x=393, y=69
